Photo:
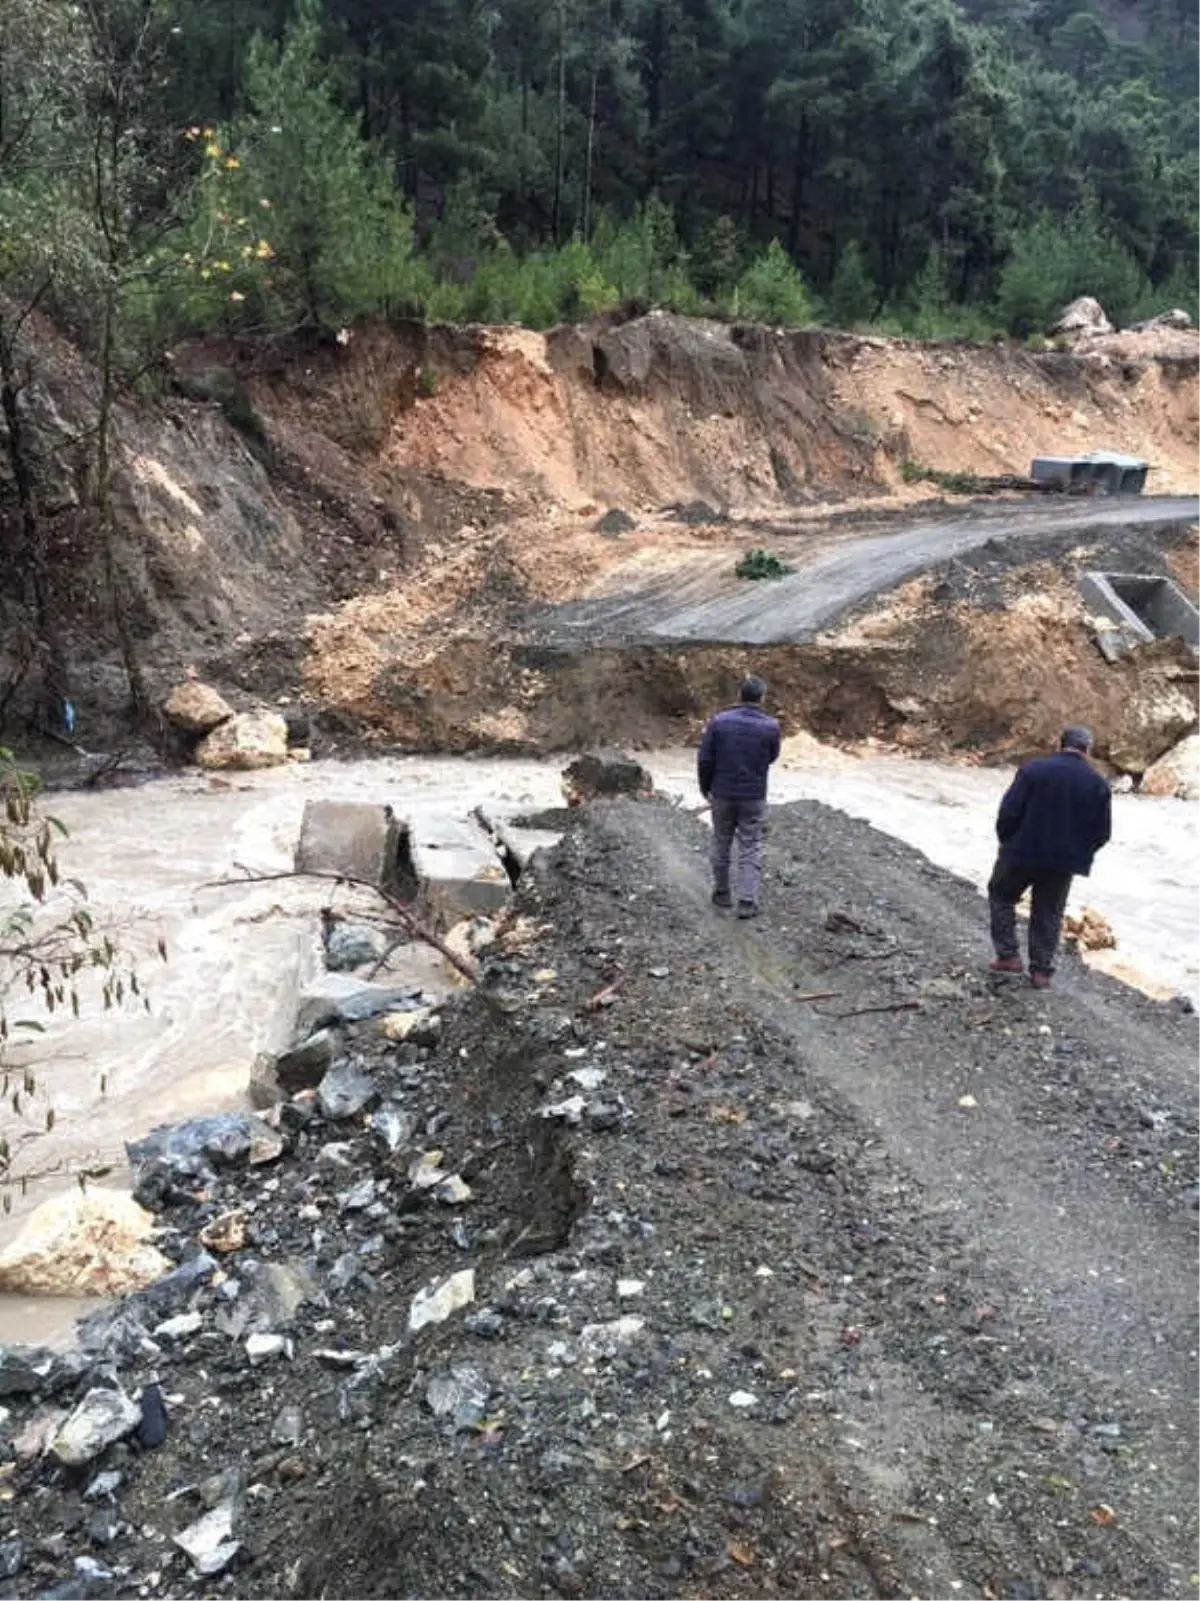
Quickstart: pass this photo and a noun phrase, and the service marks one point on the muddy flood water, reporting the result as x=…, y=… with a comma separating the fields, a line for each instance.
x=240, y=954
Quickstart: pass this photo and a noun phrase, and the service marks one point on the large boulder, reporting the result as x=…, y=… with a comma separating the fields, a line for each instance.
x=196, y=709
x=1156, y=718
x=1177, y=773
x=246, y=742
x=91, y=1242
x=101, y=1418
x=604, y=773
x=1081, y=317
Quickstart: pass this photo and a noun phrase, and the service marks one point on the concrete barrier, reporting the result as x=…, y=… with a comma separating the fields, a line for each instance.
x=1138, y=607
x=350, y=837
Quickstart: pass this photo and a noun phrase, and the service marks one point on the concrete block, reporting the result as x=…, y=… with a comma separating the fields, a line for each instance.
x=350, y=837
x=458, y=870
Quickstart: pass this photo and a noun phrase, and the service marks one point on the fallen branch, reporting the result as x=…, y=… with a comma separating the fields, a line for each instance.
x=818, y=995
x=862, y=1011
x=602, y=997
x=413, y=924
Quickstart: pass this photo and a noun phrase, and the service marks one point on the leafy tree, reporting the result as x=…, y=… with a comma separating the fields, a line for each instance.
x=852, y=295
x=772, y=290
x=298, y=222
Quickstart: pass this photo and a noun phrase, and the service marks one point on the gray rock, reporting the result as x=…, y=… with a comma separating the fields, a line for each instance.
x=305, y=1065
x=208, y=1543
x=351, y=945
x=12, y=1557
x=103, y=1485
x=344, y=1272
x=616, y=522
x=345, y=1090
x=604, y=773
x=100, y=1419
x=34, y=1370
x=340, y=998
x=272, y=1294
x=170, y=1292
x=180, y=1326
x=174, y=1158
x=358, y=1197
x=288, y=1427
x=394, y=1128
x=462, y=1394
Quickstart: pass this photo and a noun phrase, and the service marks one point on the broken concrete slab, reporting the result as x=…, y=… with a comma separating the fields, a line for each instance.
x=353, y=838
x=458, y=870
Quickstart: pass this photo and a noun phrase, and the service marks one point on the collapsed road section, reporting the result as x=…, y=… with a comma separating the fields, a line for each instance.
x=678, y=1258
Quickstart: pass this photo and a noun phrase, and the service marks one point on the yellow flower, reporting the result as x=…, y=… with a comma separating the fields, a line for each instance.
x=263, y=250
x=236, y=294
x=246, y=251
x=223, y=266
x=231, y=163
x=212, y=150
x=265, y=204
x=208, y=133
x=206, y=273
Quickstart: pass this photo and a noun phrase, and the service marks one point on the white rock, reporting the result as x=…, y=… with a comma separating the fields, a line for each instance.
x=179, y=1327
x=208, y=1542
x=1177, y=773
x=1083, y=316
x=453, y=1191
x=629, y=1289
x=102, y=1417
x=588, y=1078
x=90, y=1242
x=606, y=1339
x=743, y=1399
x=435, y=1302
x=195, y=708
x=570, y=1111
x=248, y=741
x=265, y=1347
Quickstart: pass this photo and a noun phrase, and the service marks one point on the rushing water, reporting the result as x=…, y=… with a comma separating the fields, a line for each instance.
x=153, y=860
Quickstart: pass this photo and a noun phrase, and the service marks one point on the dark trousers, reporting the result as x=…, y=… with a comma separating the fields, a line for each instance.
x=743, y=820
x=1008, y=883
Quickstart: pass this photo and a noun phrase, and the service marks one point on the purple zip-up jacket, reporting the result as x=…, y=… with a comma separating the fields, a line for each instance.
x=736, y=753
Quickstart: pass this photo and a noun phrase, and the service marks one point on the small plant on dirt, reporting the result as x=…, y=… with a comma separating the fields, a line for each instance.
x=427, y=382
x=761, y=564
x=915, y=472
x=48, y=939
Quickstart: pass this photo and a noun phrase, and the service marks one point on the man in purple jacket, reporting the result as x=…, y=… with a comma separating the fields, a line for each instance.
x=736, y=753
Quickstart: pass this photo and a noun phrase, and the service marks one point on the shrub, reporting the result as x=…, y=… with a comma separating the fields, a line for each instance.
x=771, y=290
x=756, y=564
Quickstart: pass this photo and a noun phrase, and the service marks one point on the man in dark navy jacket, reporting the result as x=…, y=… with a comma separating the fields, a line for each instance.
x=1055, y=816
x=736, y=753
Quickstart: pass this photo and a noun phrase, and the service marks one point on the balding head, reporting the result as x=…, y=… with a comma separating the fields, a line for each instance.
x=1076, y=738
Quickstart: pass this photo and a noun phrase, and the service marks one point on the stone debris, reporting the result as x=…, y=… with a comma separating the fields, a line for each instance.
x=208, y=1543
x=604, y=774
x=346, y=1090
x=1083, y=316
x=436, y=1302
x=352, y=945
x=196, y=709
x=1087, y=930
x=100, y=1419
x=1177, y=773
x=247, y=742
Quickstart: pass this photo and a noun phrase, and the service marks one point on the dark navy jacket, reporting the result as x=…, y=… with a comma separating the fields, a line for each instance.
x=1056, y=815
x=738, y=748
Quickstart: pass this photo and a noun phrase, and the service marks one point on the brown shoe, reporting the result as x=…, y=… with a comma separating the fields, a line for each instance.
x=1006, y=964
x=1040, y=981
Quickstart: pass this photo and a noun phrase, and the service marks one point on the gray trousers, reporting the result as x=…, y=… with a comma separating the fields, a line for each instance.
x=1009, y=882
x=744, y=821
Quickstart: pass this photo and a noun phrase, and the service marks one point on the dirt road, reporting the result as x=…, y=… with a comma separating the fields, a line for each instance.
x=700, y=599
x=887, y=1291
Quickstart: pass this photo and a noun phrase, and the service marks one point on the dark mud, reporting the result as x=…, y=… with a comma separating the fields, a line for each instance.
x=907, y=1270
